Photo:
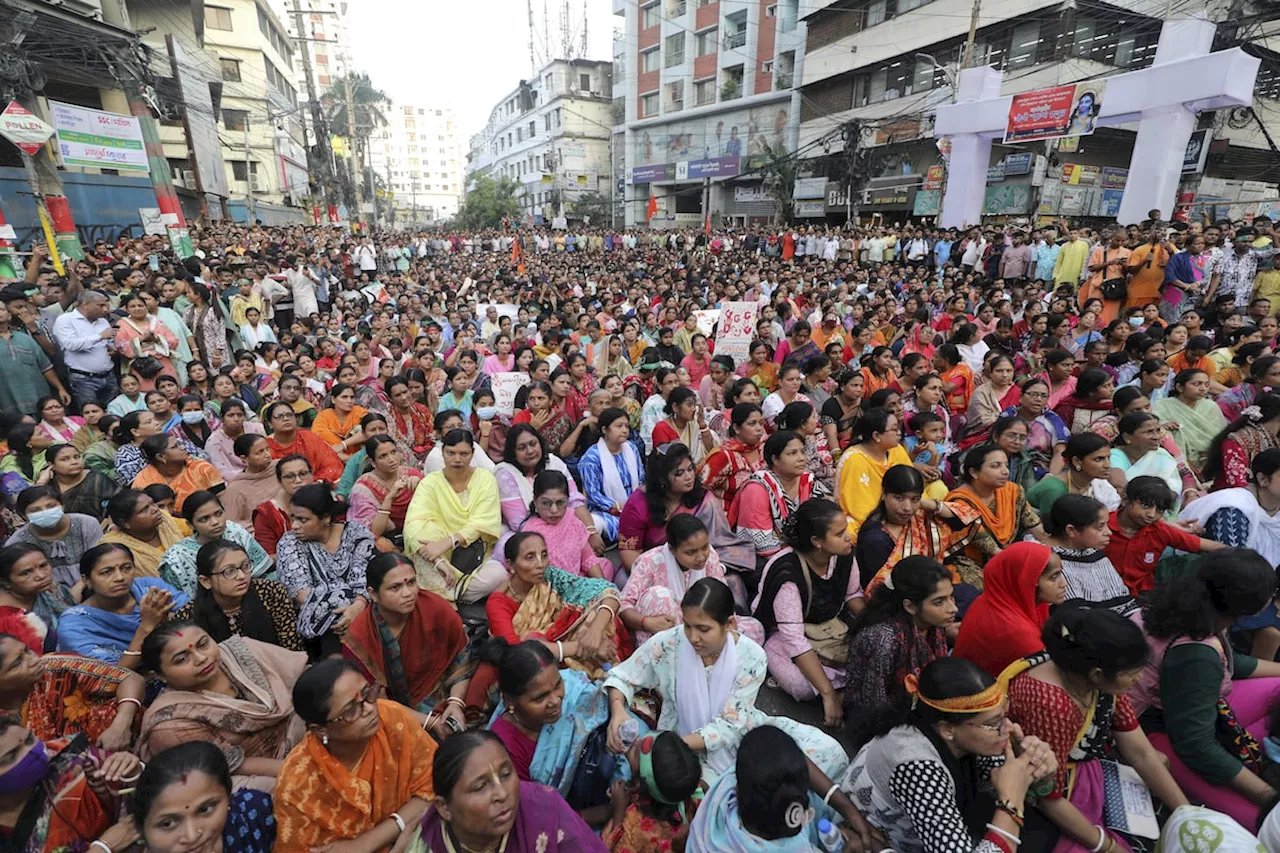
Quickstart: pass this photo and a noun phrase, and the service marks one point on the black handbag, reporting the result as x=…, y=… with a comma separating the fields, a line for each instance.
x=146, y=366
x=1113, y=288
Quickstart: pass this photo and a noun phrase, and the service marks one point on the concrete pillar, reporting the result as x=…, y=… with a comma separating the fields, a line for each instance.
x=970, y=153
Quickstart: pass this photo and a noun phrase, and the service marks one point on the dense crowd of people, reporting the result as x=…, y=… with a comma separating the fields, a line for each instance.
x=331, y=541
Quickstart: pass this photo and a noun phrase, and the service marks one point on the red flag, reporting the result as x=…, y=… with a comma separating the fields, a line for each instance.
x=707, y=225
x=652, y=210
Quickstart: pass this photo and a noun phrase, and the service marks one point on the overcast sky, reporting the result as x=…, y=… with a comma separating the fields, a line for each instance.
x=464, y=54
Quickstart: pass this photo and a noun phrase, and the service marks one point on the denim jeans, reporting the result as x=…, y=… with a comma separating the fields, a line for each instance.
x=91, y=389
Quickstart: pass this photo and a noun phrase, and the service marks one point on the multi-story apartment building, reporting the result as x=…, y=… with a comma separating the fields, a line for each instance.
x=551, y=135
x=243, y=53
x=888, y=64
x=419, y=158
x=709, y=95
x=324, y=24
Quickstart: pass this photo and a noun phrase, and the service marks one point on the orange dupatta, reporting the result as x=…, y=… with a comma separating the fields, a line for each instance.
x=318, y=800
x=1002, y=522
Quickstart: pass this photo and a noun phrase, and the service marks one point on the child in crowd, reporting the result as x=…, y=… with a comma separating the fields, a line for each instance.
x=1139, y=533
x=924, y=446
x=652, y=811
x=163, y=496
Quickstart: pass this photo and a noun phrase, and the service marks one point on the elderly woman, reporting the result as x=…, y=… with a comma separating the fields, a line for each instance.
x=234, y=694
x=452, y=523
x=209, y=523
x=412, y=642
x=321, y=562
x=361, y=774
x=145, y=529
x=566, y=612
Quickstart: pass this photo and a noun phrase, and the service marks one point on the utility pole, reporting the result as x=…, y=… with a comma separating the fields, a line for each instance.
x=248, y=169
x=973, y=35
x=322, y=161
x=352, y=142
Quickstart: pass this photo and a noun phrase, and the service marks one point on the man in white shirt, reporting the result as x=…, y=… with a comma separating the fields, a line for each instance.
x=366, y=256
x=83, y=335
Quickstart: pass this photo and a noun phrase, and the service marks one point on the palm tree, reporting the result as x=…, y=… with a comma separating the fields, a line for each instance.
x=357, y=125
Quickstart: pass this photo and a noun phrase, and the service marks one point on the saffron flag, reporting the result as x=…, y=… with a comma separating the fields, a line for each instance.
x=517, y=256
x=652, y=210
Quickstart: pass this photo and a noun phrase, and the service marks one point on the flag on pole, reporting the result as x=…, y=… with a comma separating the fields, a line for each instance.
x=517, y=256
x=707, y=224
x=652, y=210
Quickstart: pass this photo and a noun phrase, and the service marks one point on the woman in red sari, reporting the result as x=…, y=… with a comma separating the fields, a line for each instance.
x=545, y=409
x=408, y=422
x=1089, y=401
x=581, y=384
x=380, y=498
x=412, y=642
x=726, y=468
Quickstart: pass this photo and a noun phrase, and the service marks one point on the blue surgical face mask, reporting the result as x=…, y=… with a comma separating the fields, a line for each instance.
x=192, y=417
x=1135, y=321
x=46, y=518
x=486, y=413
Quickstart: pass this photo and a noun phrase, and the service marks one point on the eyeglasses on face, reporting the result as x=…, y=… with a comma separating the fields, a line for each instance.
x=232, y=572
x=355, y=708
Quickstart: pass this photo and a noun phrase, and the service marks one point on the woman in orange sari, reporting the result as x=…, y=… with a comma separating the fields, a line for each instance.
x=726, y=468
x=957, y=380
x=339, y=425
x=363, y=763
x=575, y=617
x=879, y=372
x=1006, y=514
x=761, y=368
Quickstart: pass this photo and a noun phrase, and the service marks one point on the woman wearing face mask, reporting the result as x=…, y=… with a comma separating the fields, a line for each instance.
x=63, y=537
x=412, y=642
x=185, y=797
x=408, y=422
x=203, y=510
x=380, y=498
x=482, y=803
x=903, y=629
x=708, y=674
x=1072, y=694
x=194, y=427
x=362, y=773
x=921, y=772
x=59, y=794
x=233, y=694
x=221, y=443
x=491, y=432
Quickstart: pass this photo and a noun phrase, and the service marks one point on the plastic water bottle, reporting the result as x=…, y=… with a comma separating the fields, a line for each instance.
x=629, y=731
x=829, y=837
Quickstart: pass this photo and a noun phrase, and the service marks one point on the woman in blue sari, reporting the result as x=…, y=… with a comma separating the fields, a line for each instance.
x=119, y=612
x=546, y=714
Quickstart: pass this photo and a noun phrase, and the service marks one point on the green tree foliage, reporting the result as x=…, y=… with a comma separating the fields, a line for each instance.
x=488, y=201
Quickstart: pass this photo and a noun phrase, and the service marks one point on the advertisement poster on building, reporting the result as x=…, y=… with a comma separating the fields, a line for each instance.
x=102, y=140
x=1054, y=112
x=754, y=132
x=933, y=178
x=737, y=328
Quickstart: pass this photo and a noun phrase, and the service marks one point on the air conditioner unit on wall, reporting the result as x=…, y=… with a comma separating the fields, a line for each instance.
x=259, y=184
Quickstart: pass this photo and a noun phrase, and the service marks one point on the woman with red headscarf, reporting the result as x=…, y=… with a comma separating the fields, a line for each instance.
x=1003, y=623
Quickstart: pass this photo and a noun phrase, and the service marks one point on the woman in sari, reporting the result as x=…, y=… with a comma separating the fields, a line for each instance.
x=727, y=468
x=270, y=520
x=1072, y=697
x=31, y=599
x=141, y=526
x=957, y=379
x=532, y=817
x=56, y=423
x=81, y=489
x=685, y=423
x=1138, y=453
x=1007, y=516
x=545, y=412
x=840, y=413
x=229, y=601
x=408, y=422
x=773, y=493
x=1059, y=373
x=672, y=486
x=62, y=793
x=575, y=616
x=380, y=499
x=907, y=524
x=1004, y=622
x=1010, y=434
x=142, y=336
x=234, y=694
x=1046, y=433
x=1256, y=430
x=287, y=439
x=877, y=448
x=412, y=642
x=209, y=523
x=878, y=371
x=1202, y=704
x=118, y=610
x=568, y=540
x=760, y=367
x=708, y=675
x=321, y=562
x=452, y=523
x=362, y=772
x=1194, y=418
x=993, y=396
x=62, y=695
x=221, y=444
x=92, y=430
x=1090, y=400
x=339, y=425
x=1264, y=377
x=903, y=629
x=1087, y=472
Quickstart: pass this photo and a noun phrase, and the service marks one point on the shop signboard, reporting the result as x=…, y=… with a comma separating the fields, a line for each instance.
x=1018, y=164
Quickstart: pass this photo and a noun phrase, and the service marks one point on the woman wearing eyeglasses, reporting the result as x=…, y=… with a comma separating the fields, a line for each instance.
x=229, y=601
x=271, y=517
x=362, y=773
x=203, y=511
x=234, y=694
x=287, y=438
